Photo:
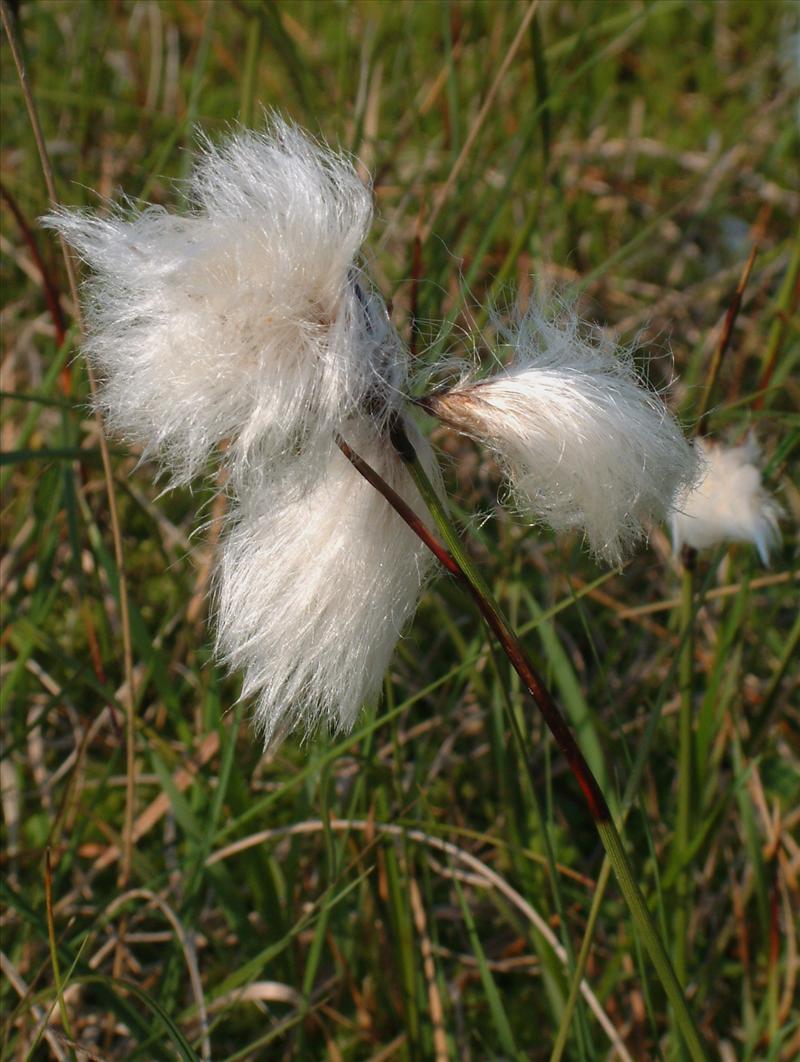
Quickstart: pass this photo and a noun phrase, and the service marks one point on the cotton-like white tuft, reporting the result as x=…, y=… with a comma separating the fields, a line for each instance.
x=314, y=585
x=586, y=445
x=246, y=318
x=729, y=503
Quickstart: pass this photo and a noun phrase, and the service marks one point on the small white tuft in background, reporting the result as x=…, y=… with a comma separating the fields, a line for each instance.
x=729, y=503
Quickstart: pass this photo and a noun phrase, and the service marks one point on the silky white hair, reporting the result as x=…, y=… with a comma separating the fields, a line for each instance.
x=245, y=320
x=585, y=443
x=315, y=583
x=728, y=503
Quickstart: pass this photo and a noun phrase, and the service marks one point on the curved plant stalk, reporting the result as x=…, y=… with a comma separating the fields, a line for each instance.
x=685, y=765
x=458, y=563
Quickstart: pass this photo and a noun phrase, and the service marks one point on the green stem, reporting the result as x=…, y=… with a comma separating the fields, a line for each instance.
x=607, y=831
x=637, y=905
x=580, y=966
x=51, y=937
x=685, y=767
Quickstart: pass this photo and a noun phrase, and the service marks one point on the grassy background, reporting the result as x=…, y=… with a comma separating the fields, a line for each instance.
x=633, y=153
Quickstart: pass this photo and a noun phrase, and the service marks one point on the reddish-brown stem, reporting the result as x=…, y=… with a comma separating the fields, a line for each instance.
x=51, y=296
x=509, y=642
x=725, y=338
x=400, y=506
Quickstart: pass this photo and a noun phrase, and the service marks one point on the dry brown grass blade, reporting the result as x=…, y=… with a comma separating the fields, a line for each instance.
x=441, y=1053
x=155, y=811
x=108, y=472
x=711, y=595
x=480, y=118
x=482, y=870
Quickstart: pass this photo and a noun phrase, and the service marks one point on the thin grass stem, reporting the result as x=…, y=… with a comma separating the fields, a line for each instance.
x=685, y=768
x=51, y=937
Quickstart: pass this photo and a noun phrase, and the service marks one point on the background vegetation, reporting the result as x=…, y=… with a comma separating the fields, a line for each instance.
x=397, y=899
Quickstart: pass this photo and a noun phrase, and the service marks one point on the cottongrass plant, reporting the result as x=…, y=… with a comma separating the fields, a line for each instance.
x=248, y=321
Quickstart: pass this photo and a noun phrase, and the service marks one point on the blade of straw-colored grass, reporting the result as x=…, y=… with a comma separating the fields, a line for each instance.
x=122, y=585
x=477, y=124
x=441, y=1051
x=466, y=859
x=715, y=594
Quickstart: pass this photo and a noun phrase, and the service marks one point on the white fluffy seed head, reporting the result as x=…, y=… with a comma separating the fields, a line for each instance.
x=585, y=443
x=314, y=585
x=728, y=503
x=245, y=319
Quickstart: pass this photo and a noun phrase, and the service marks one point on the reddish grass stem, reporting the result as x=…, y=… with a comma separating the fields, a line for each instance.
x=725, y=339
x=458, y=562
x=511, y=645
x=51, y=295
